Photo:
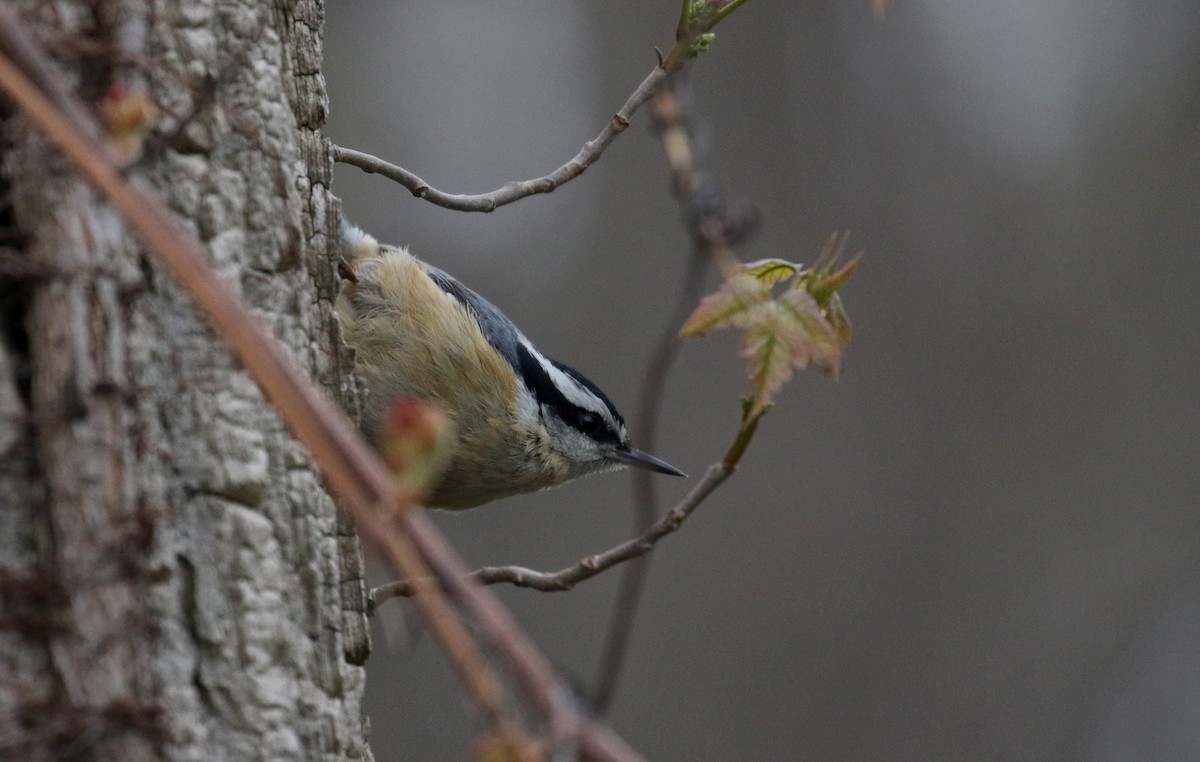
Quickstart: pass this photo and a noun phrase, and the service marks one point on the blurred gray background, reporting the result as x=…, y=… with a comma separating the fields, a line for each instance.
x=983, y=542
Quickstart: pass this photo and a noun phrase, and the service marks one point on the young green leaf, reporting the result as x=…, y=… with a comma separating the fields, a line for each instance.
x=808, y=332
x=740, y=293
x=804, y=325
x=772, y=271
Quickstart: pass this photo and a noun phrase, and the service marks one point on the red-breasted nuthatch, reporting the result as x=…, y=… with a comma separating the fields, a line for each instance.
x=523, y=422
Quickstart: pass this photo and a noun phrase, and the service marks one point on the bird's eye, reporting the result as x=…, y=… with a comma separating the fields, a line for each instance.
x=589, y=423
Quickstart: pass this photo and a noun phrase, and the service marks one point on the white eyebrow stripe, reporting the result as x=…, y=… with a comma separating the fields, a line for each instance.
x=575, y=393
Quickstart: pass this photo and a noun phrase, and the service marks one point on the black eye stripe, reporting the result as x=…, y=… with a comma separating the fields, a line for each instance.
x=507, y=340
x=548, y=394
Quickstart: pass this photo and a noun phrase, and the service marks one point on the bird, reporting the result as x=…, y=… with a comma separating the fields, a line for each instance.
x=522, y=422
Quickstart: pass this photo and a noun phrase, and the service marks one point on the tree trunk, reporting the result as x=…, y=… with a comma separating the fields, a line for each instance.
x=174, y=581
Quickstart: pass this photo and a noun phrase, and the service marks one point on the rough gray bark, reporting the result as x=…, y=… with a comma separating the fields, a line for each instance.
x=174, y=581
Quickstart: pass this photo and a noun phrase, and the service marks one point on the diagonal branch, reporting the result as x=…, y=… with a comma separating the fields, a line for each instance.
x=77, y=138
x=352, y=470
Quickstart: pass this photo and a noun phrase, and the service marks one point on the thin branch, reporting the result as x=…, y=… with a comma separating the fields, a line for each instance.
x=352, y=470
x=152, y=219
x=586, y=568
x=712, y=228
x=674, y=60
x=672, y=128
x=517, y=189
x=681, y=29
x=645, y=488
x=727, y=10
x=461, y=649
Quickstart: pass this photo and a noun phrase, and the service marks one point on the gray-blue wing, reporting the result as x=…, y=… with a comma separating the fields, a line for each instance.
x=497, y=329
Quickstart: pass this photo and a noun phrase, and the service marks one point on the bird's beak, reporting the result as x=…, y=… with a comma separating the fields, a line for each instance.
x=645, y=460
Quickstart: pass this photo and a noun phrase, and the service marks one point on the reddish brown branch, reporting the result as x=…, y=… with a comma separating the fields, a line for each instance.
x=354, y=473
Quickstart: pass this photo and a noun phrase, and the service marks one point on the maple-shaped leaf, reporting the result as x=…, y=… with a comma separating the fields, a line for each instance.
x=808, y=332
x=768, y=354
x=740, y=293
x=803, y=325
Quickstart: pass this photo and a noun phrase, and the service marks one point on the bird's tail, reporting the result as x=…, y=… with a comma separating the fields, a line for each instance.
x=356, y=243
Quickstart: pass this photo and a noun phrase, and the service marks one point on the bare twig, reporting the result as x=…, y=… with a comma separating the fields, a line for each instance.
x=727, y=10
x=517, y=189
x=691, y=36
x=589, y=567
x=355, y=474
x=586, y=568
